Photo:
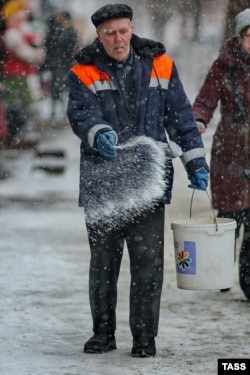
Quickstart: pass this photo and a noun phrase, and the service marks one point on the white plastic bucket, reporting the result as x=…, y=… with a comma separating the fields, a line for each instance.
x=204, y=253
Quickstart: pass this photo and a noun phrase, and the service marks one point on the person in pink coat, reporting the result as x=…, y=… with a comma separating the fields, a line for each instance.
x=228, y=83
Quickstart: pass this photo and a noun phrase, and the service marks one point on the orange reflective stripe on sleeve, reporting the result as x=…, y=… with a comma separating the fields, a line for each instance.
x=161, y=71
x=93, y=78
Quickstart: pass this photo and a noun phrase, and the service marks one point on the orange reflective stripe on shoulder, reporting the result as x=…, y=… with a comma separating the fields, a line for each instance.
x=93, y=78
x=161, y=71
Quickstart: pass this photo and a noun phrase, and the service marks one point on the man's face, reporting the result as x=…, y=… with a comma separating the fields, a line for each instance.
x=115, y=35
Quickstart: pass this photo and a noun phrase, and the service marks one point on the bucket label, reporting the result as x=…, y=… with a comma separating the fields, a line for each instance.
x=186, y=258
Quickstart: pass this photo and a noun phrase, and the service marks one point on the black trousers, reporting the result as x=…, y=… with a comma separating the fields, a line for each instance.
x=242, y=217
x=145, y=243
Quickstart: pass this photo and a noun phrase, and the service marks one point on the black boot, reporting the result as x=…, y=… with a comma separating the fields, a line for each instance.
x=143, y=347
x=227, y=289
x=244, y=268
x=100, y=343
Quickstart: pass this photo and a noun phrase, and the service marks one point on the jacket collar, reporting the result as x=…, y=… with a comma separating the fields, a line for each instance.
x=232, y=55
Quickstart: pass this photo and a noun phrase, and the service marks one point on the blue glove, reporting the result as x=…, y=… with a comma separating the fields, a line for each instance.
x=199, y=179
x=105, y=144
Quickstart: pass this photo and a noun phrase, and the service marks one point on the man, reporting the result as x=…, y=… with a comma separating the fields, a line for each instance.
x=124, y=86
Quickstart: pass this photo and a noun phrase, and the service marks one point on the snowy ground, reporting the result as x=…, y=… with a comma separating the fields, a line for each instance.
x=45, y=316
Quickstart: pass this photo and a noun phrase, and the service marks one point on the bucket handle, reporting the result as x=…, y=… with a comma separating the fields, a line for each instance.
x=191, y=203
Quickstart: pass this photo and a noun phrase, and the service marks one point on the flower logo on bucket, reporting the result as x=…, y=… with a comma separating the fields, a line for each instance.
x=186, y=259
x=183, y=259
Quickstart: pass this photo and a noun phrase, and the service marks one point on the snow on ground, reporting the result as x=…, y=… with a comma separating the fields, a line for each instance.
x=45, y=316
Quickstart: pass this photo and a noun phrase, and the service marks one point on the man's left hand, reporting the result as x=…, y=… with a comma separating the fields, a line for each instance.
x=199, y=179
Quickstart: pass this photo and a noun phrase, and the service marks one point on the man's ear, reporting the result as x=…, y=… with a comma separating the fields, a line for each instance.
x=98, y=34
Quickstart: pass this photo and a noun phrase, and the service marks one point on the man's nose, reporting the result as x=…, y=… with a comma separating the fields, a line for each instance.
x=117, y=37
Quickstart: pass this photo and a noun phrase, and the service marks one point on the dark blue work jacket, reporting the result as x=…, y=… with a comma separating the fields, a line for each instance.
x=98, y=102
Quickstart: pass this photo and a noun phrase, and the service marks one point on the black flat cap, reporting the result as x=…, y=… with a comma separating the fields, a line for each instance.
x=110, y=11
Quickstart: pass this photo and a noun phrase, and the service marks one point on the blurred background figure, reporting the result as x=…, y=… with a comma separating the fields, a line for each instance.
x=50, y=40
x=61, y=45
x=23, y=54
x=3, y=130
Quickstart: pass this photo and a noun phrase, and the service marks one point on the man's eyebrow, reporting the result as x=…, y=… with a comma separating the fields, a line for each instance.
x=112, y=30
